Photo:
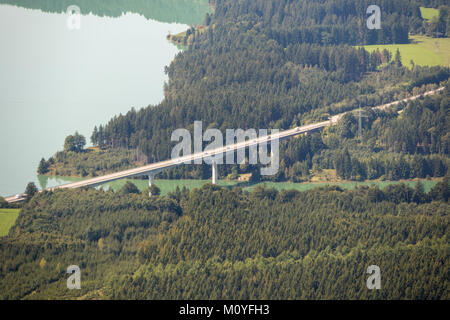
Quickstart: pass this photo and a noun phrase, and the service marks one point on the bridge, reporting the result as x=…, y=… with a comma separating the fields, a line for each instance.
x=152, y=169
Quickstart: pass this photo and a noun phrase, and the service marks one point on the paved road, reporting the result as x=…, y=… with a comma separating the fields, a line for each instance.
x=385, y=106
x=159, y=166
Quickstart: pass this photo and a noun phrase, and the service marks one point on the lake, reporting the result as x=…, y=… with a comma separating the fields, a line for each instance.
x=56, y=80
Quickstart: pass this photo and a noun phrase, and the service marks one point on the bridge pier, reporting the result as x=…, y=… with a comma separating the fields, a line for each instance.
x=215, y=173
x=151, y=181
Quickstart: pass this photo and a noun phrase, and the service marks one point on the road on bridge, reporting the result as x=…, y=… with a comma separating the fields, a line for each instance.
x=154, y=168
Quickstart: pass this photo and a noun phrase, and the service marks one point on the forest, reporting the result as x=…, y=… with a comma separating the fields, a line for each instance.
x=219, y=243
x=90, y=162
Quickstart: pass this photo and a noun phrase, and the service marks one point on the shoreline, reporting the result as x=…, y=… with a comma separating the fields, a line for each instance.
x=168, y=185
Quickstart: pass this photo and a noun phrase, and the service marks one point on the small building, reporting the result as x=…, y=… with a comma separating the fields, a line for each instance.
x=245, y=177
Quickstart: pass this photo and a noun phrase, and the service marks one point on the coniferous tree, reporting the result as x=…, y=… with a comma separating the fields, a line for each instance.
x=3, y=203
x=155, y=190
x=30, y=190
x=398, y=59
x=129, y=188
x=43, y=167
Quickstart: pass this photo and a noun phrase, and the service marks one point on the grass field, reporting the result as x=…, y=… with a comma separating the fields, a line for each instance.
x=7, y=219
x=167, y=186
x=424, y=51
x=9, y=216
x=429, y=13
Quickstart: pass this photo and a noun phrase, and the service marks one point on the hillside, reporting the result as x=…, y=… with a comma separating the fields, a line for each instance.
x=262, y=64
x=214, y=243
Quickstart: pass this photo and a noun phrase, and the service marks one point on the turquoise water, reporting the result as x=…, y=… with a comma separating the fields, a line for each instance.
x=55, y=81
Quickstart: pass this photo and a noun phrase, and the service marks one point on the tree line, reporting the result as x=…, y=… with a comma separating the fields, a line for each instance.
x=237, y=244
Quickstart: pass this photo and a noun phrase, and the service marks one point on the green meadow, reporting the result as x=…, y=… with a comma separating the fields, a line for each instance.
x=7, y=219
x=429, y=13
x=424, y=51
x=166, y=186
x=9, y=216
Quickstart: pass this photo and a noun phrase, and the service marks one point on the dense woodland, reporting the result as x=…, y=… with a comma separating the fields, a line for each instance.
x=179, y=11
x=213, y=243
x=327, y=22
x=261, y=64
x=90, y=162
